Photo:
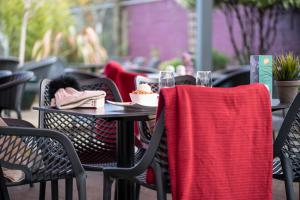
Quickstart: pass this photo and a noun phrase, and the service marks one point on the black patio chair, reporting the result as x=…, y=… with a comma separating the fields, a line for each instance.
x=42, y=155
x=94, y=139
x=146, y=127
x=9, y=63
x=286, y=165
x=79, y=75
x=155, y=156
x=11, y=91
x=4, y=73
x=234, y=78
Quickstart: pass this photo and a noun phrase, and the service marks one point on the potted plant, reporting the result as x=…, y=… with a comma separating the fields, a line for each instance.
x=286, y=71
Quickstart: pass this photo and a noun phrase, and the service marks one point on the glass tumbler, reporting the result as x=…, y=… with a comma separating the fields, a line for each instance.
x=203, y=78
x=166, y=79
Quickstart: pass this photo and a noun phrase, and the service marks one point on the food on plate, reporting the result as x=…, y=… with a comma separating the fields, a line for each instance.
x=143, y=89
x=144, y=96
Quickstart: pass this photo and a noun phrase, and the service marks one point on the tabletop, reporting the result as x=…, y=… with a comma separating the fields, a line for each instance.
x=108, y=112
x=276, y=105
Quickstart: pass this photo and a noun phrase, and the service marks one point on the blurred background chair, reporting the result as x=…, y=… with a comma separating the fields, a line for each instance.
x=51, y=67
x=9, y=63
x=11, y=91
x=42, y=155
x=79, y=75
x=5, y=73
x=234, y=78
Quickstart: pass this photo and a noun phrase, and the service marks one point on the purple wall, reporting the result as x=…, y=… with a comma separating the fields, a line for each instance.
x=164, y=25
x=161, y=25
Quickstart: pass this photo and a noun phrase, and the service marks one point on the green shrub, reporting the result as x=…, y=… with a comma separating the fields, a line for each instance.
x=219, y=60
x=50, y=14
x=174, y=62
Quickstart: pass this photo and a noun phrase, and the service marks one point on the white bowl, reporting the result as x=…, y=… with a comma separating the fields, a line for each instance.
x=144, y=99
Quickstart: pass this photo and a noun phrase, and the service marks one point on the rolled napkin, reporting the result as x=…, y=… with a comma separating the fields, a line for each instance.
x=68, y=98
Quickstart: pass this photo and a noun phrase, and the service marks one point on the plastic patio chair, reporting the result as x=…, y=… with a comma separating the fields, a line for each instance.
x=286, y=165
x=235, y=78
x=79, y=75
x=42, y=155
x=9, y=63
x=4, y=73
x=11, y=91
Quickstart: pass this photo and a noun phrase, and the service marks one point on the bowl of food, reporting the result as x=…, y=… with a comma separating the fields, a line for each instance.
x=143, y=95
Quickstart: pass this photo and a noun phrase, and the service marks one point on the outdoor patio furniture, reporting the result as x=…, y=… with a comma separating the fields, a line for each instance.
x=235, y=78
x=123, y=79
x=42, y=155
x=95, y=138
x=79, y=75
x=51, y=67
x=9, y=63
x=286, y=165
x=11, y=91
x=4, y=73
x=195, y=164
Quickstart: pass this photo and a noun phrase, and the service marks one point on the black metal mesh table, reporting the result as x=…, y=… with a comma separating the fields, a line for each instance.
x=86, y=119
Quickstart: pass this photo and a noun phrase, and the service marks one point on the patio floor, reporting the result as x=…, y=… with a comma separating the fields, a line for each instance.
x=94, y=182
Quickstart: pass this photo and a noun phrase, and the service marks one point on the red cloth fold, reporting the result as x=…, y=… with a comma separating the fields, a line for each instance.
x=125, y=81
x=219, y=142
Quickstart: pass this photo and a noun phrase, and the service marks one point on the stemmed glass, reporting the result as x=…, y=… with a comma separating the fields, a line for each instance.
x=166, y=79
x=203, y=78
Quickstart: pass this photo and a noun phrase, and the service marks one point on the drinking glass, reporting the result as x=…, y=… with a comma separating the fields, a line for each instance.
x=203, y=78
x=166, y=79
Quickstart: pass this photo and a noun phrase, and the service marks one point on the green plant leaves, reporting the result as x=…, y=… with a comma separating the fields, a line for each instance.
x=286, y=67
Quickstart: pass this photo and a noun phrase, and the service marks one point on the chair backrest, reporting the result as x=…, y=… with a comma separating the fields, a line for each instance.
x=234, y=78
x=94, y=139
x=4, y=73
x=146, y=127
x=41, y=154
x=79, y=75
x=51, y=67
x=9, y=63
x=11, y=89
x=287, y=143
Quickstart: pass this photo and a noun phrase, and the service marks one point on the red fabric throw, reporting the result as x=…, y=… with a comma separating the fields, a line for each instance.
x=124, y=80
x=219, y=142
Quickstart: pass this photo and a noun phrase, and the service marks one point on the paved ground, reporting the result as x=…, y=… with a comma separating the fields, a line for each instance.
x=94, y=182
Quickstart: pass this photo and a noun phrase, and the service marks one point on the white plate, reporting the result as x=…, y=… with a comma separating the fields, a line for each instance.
x=130, y=105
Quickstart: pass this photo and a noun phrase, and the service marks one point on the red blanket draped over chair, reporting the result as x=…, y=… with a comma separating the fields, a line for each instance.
x=125, y=81
x=219, y=142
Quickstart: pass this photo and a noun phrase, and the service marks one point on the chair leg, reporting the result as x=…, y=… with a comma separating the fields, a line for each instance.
x=160, y=183
x=69, y=189
x=138, y=189
x=81, y=186
x=107, y=187
x=19, y=114
x=42, y=195
x=54, y=190
x=287, y=170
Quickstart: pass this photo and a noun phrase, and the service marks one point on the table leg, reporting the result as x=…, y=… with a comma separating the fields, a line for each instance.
x=125, y=158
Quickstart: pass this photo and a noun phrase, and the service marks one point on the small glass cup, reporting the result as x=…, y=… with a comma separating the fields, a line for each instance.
x=203, y=78
x=166, y=79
